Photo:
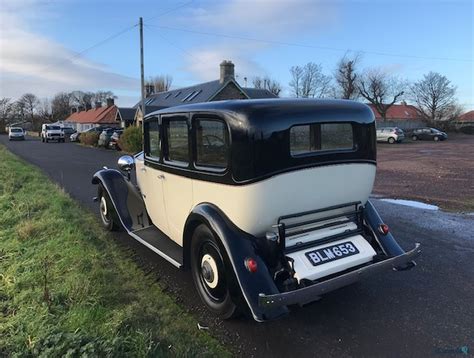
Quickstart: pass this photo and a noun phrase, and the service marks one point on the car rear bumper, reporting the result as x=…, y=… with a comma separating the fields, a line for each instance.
x=313, y=292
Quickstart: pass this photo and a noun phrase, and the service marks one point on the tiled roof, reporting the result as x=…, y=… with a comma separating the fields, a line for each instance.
x=257, y=93
x=399, y=112
x=202, y=92
x=467, y=117
x=95, y=115
x=127, y=113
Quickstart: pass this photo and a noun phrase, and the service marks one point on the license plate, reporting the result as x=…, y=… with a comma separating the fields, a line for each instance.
x=331, y=253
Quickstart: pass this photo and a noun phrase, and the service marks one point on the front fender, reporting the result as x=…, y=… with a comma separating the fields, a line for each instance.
x=125, y=198
x=240, y=245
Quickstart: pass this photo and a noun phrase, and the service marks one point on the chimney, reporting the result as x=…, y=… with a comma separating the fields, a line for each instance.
x=80, y=108
x=149, y=90
x=73, y=110
x=110, y=102
x=98, y=104
x=88, y=106
x=227, y=71
x=404, y=103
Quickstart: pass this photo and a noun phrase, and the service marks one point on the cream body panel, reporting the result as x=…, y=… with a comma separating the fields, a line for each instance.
x=151, y=187
x=178, y=194
x=255, y=207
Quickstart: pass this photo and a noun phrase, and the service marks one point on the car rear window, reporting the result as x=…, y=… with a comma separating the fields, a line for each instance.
x=311, y=138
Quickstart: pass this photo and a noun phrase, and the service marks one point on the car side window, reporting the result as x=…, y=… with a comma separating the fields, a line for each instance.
x=177, y=141
x=211, y=143
x=154, y=139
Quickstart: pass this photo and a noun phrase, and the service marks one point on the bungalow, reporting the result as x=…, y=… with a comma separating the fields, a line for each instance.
x=402, y=115
x=226, y=87
x=83, y=119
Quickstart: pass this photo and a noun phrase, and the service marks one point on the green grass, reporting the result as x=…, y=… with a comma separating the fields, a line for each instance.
x=66, y=288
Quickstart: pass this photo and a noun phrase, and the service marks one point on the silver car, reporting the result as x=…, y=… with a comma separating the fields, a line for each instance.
x=16, y=133
x=390, y=134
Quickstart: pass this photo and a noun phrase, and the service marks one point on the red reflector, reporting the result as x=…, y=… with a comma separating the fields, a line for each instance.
x=251, y=264
x=383, y=228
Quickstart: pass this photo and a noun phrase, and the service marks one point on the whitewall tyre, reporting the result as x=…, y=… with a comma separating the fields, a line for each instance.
x=108, y=217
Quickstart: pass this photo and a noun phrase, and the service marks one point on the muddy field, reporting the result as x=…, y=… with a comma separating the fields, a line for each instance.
x=439, y=173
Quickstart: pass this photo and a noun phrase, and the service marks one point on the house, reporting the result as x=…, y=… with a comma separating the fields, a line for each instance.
x=126, y=116
x=226, y=87
x=83, y=119
x=401, y=115
x=466, y=119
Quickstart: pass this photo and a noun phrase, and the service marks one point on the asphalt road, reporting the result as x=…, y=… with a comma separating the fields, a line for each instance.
x=428, y=311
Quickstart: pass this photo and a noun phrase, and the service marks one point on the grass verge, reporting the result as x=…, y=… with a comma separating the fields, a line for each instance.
x=66, y=288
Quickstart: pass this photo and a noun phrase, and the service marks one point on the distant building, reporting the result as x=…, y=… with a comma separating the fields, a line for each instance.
x=83, y=119
x=402, y=115
x=226, y=87
x=466, y=119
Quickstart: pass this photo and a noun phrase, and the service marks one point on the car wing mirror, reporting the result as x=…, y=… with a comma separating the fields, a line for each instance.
x=126, y=163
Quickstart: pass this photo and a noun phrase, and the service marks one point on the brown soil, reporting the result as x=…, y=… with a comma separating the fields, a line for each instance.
x=439, y=173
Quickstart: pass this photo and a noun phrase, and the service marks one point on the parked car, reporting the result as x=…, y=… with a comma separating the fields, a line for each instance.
x=75, y=137
x=16, y=133
x=68, y=130
x=428, y=134
x=390, y=134
x=212, y=195
x=51, y=132
x=104, y=137
x=113, y=143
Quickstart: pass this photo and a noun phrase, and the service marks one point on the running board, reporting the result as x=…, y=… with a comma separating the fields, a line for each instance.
x=159, y=243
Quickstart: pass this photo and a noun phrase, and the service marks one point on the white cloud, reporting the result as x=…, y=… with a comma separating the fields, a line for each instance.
x=33, y=63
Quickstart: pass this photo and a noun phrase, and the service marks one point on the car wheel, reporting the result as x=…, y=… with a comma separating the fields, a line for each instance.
x=414, y=137
x=436, y=138
x=391, y=140
x=212, y=279
x=108, y=215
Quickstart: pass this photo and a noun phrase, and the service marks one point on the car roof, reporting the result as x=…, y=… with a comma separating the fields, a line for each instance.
x=265, y=112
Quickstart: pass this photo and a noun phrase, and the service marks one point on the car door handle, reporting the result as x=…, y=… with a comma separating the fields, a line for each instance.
x=161, y=176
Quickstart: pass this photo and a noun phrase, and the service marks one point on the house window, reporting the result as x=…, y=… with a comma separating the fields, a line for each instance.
x=153, y=139
x=312, y=138
x=212, y=144
x=177, y=141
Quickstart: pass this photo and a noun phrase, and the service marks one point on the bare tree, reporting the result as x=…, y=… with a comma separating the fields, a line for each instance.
x=29, y=102
x=434, y=96
x=309, y=81
x=346, y=77
x=101, y=96
x=61, y=106
x=160, y=83
x=84, y=99
x=44, y=110
x=380, y=89
x=267, y=83
x=6, y=112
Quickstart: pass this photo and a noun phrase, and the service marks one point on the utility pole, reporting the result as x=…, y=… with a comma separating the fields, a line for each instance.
x=142, y=69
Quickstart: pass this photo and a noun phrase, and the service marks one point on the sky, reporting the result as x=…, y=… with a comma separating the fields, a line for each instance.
x=48, y=46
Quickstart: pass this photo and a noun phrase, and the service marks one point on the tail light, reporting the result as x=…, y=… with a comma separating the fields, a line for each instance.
x=384, y=229
x=250, y=264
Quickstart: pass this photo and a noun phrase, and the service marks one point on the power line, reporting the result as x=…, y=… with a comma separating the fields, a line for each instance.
x=309, y=46
x=79, y=54
x=170, y=10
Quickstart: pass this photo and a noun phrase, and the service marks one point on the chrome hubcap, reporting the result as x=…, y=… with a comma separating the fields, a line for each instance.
x=209, y=271
x=103, y=207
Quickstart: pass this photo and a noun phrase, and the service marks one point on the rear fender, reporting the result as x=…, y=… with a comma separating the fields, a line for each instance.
x=239, y=246
x=125, y=197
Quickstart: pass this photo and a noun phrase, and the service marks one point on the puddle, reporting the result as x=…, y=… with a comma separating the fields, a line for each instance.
x=412, y=203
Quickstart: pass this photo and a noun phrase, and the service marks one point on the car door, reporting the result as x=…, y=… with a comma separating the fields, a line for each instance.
x=151, y=176
x=177, y=184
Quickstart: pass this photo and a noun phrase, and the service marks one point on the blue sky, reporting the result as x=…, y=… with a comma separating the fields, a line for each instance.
x=40, y=41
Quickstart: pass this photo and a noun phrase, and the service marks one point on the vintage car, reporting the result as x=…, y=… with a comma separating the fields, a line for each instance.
x=265, y=201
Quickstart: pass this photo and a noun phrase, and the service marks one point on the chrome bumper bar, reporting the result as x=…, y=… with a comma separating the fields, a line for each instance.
x=313, y=292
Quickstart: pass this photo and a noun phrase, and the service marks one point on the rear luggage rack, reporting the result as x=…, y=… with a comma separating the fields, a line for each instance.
x=345, y=215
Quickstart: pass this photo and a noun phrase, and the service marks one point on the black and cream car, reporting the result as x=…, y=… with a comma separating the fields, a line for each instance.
x=265, y=201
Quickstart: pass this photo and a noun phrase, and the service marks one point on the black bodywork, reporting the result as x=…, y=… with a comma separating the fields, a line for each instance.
x=259, y=135
x=257, y=131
